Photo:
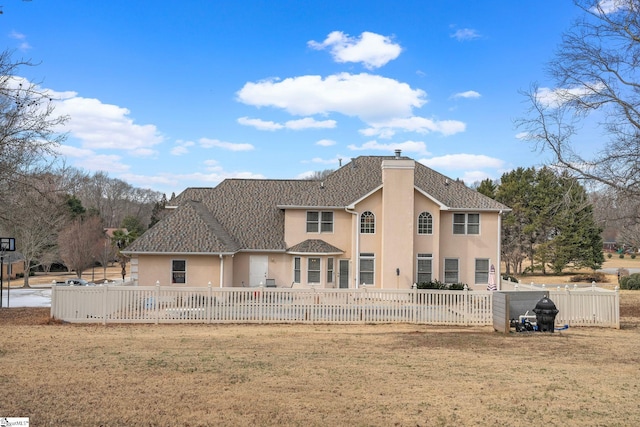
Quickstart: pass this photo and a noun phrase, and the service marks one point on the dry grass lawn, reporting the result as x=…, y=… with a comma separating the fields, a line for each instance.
x=354, y=375
x=320, y=375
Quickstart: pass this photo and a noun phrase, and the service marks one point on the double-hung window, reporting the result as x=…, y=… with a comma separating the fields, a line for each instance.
x=482, y=271
x=367, y=268
x=424, y=268
x=451, y=270
x=178, y=271
x=313, y=270
x=319, y=222
x=466, y=223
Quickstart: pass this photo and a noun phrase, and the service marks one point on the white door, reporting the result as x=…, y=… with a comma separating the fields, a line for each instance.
x=258, y=270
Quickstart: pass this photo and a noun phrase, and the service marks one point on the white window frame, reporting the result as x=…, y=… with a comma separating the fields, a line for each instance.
x=367, y=256
x=448, y=270
x=367, y=223
x=297, y=272
x=330, y=270
x=316, y=272
x=424, y=257
x=466, y=227
x=182, y=272
x=481, y=272
x=425, y=220
x=323, y=223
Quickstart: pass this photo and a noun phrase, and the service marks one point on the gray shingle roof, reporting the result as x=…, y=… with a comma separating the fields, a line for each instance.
x=246, y=213
x=314, y=246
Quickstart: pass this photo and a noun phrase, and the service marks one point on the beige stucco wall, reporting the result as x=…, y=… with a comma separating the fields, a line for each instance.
x=397, y=224
x=469, y=247
x=201, y=269
x=426, y=243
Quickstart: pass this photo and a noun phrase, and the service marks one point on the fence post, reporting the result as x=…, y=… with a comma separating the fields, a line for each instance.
x=209, y=303
x=616, y=310
x=156, y=300
x=104, y=304
x=415, y=303
x=466, y=305
x=261, y=303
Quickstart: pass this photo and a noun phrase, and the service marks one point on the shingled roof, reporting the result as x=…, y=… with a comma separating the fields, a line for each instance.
x=247, y=214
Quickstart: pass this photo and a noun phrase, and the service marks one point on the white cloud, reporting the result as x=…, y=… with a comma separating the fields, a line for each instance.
x=24, y=45
x=319, y=160
x=609, y=6
x=259, y=123
x=522, y=135
x=214, y=175
x=366, y=96
x=310, y=123
x=409, y=146
x=465, y=34
x=468, y=94
x=181, y=147
x=104, y=126
x=554, y=98
x=325, y=142
x=421, y=125
x=371, y=49
x=470, y=177
x=298, y=124
x=462, y=161
x=87, y=159
x=209, y=143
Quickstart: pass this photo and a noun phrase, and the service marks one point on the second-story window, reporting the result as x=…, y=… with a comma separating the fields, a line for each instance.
x=425, y=223
x=367, y=223
x=319, y=222
x=466, y=223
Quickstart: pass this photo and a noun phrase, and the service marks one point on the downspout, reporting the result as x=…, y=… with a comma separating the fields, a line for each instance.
x=356, y=255
x=221, y=271
x=499, y=267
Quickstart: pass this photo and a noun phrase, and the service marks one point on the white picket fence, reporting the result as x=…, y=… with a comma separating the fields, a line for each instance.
x=161, y=304
x=157, y=304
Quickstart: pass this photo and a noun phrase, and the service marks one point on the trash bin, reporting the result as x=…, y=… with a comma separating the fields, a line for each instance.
x=545, y=315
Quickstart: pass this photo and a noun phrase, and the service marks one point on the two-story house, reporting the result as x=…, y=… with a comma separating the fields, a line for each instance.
x=383, y=222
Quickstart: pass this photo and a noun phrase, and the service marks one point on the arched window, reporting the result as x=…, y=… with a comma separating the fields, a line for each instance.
x=425, y=223
x=367, y=223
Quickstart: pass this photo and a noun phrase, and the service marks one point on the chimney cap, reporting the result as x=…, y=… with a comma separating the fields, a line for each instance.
x=398, y=153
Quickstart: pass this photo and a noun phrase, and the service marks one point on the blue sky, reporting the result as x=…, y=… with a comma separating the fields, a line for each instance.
x=168, y=95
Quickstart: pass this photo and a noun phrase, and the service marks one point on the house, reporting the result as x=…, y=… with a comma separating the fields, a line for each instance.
x=12, y=265
x=378, y=221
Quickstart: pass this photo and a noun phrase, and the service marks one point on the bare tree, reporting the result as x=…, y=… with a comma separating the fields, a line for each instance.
x=597, y=73
x=28, y=126
x=80, y=243
x=34, y=214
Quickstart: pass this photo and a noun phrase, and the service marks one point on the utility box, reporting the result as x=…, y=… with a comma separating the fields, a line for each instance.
x=509, y=305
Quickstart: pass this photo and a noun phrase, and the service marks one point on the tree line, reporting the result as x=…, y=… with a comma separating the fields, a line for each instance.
x=58, y=214
x=551, y=223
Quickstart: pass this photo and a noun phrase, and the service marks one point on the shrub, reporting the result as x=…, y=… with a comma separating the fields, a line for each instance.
x=630, y=282
x=436, y=284
x=589, y=277
x=621, y=256
x=509, y=278
x=633, y=256
x=609, y=255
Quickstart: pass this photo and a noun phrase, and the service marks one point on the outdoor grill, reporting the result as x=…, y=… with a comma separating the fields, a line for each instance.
x=546, y=312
